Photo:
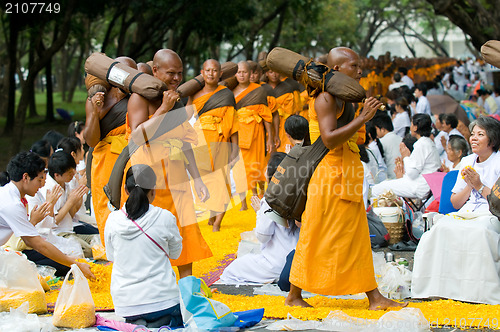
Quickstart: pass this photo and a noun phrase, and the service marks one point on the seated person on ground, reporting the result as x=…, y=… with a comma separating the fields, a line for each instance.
x=276, y=243
x=27, y=175
x=458, y=258
x=73, y=146
x=410, y=167
x=62, y=169
x=140, y=238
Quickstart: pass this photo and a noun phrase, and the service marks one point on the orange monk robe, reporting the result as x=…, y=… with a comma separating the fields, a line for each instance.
x=214, y=129
x=173, y=191
x=304, y=97
x=103, y=159
x=333, y=255
x=251, y=138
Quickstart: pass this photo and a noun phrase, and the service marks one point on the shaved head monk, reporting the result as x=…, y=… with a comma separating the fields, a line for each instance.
x=104, y=125
x=333, y=255
x=169, y=155
x=218, y=152
x=253, y=116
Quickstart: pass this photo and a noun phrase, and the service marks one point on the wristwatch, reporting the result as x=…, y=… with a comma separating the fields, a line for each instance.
x=480, y=191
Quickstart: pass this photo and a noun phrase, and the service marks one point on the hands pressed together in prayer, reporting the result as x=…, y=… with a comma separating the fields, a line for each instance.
x=472, y=178
x=370, y=107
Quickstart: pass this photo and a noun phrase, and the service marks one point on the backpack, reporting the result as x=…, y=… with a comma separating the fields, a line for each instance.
x=286, y=193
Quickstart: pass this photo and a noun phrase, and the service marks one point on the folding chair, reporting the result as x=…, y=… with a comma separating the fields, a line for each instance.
x=449, y=180
x=418, y=204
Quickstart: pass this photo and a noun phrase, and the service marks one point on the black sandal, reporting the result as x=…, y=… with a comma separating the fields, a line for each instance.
x=403, y=246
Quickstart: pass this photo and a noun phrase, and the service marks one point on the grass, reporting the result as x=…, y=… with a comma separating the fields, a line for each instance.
x=36, y=127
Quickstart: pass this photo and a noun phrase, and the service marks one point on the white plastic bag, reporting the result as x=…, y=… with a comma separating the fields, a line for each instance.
x=74, y=306
x=249, y=244
x=67, y=246
x=19, y=283
x=395, y=281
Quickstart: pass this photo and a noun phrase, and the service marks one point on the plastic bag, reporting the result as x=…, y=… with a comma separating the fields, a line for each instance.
x=394, y=281
x=98, y=250
x=74, y=306
x=19, y=283
x=198, y=310
x=67, y=246
x=19, y=320
x=404, y=320
x=249, y=244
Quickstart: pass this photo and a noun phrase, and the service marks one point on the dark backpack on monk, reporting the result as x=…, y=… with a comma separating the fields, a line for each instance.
x=286, y=193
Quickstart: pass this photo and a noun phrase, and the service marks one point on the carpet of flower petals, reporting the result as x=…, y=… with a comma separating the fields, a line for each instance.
x=438, y=313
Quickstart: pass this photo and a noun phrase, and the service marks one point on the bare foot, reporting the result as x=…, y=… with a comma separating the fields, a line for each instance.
x=216, y=226
x=386, y=304
x=380, y=302
x=296, y=302
x=211, y=221
x=244, y=205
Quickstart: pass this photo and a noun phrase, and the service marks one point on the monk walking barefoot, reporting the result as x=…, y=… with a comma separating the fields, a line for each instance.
x=333, y=255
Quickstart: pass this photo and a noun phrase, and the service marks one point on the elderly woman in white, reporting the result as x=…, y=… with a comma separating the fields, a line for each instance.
x=459, y=258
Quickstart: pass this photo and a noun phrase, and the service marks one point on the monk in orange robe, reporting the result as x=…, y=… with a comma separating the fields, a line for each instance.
x=255, y=76
x=253, y=116
x=287, y=101
x=217, y=149
x=333, y=255
x=105, y=133
x=169, y=156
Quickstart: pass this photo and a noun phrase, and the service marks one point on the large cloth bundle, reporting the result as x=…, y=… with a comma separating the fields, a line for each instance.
x=315, y=76
x=491, y=52
x=196, y=84
x=124, y=77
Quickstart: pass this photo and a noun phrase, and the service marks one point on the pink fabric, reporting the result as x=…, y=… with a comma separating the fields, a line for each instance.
x=435, y=181
x=120, y=326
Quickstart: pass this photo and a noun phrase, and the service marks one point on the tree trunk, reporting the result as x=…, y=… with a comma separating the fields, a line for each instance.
x=32, y=104
x=77, y=70
x=63, y=70
x=11, y=72
x=44, y=56
x=49, y=116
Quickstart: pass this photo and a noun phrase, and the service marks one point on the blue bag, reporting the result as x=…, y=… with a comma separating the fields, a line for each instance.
x=198, y=310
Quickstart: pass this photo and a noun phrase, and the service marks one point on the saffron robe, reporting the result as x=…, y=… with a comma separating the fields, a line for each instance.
x=333, y=255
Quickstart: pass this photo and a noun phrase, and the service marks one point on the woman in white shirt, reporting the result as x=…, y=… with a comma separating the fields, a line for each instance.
x=140, y=240
x=459, y=257
x=411, y=167
x=401, y=119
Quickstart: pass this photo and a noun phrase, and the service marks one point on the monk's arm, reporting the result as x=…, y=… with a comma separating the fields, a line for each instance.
x=199, y=186
x=92, y=131
x=235, y=149
x=270, y=138
x=326, y=109
x=138, y=114
x=276, y=129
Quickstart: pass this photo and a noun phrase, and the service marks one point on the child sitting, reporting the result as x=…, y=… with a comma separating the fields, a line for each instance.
x=140, y=238
x=276, y=242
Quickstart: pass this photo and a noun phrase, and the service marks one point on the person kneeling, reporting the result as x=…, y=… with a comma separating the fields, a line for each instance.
x=276, y=242
x=140, y=238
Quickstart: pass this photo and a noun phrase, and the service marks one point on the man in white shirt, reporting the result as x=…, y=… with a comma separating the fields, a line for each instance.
x=423, y=106
x=27, y=174
x=396, y=82
x=405, y=78
x=390, y=142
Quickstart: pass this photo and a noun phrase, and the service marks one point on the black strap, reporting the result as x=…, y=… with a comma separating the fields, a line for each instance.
x=300, y=64
x=202, y=85
x=109, y=70
x=133, y=80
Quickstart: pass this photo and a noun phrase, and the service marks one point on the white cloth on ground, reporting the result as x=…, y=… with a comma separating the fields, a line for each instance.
x=266, y=266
